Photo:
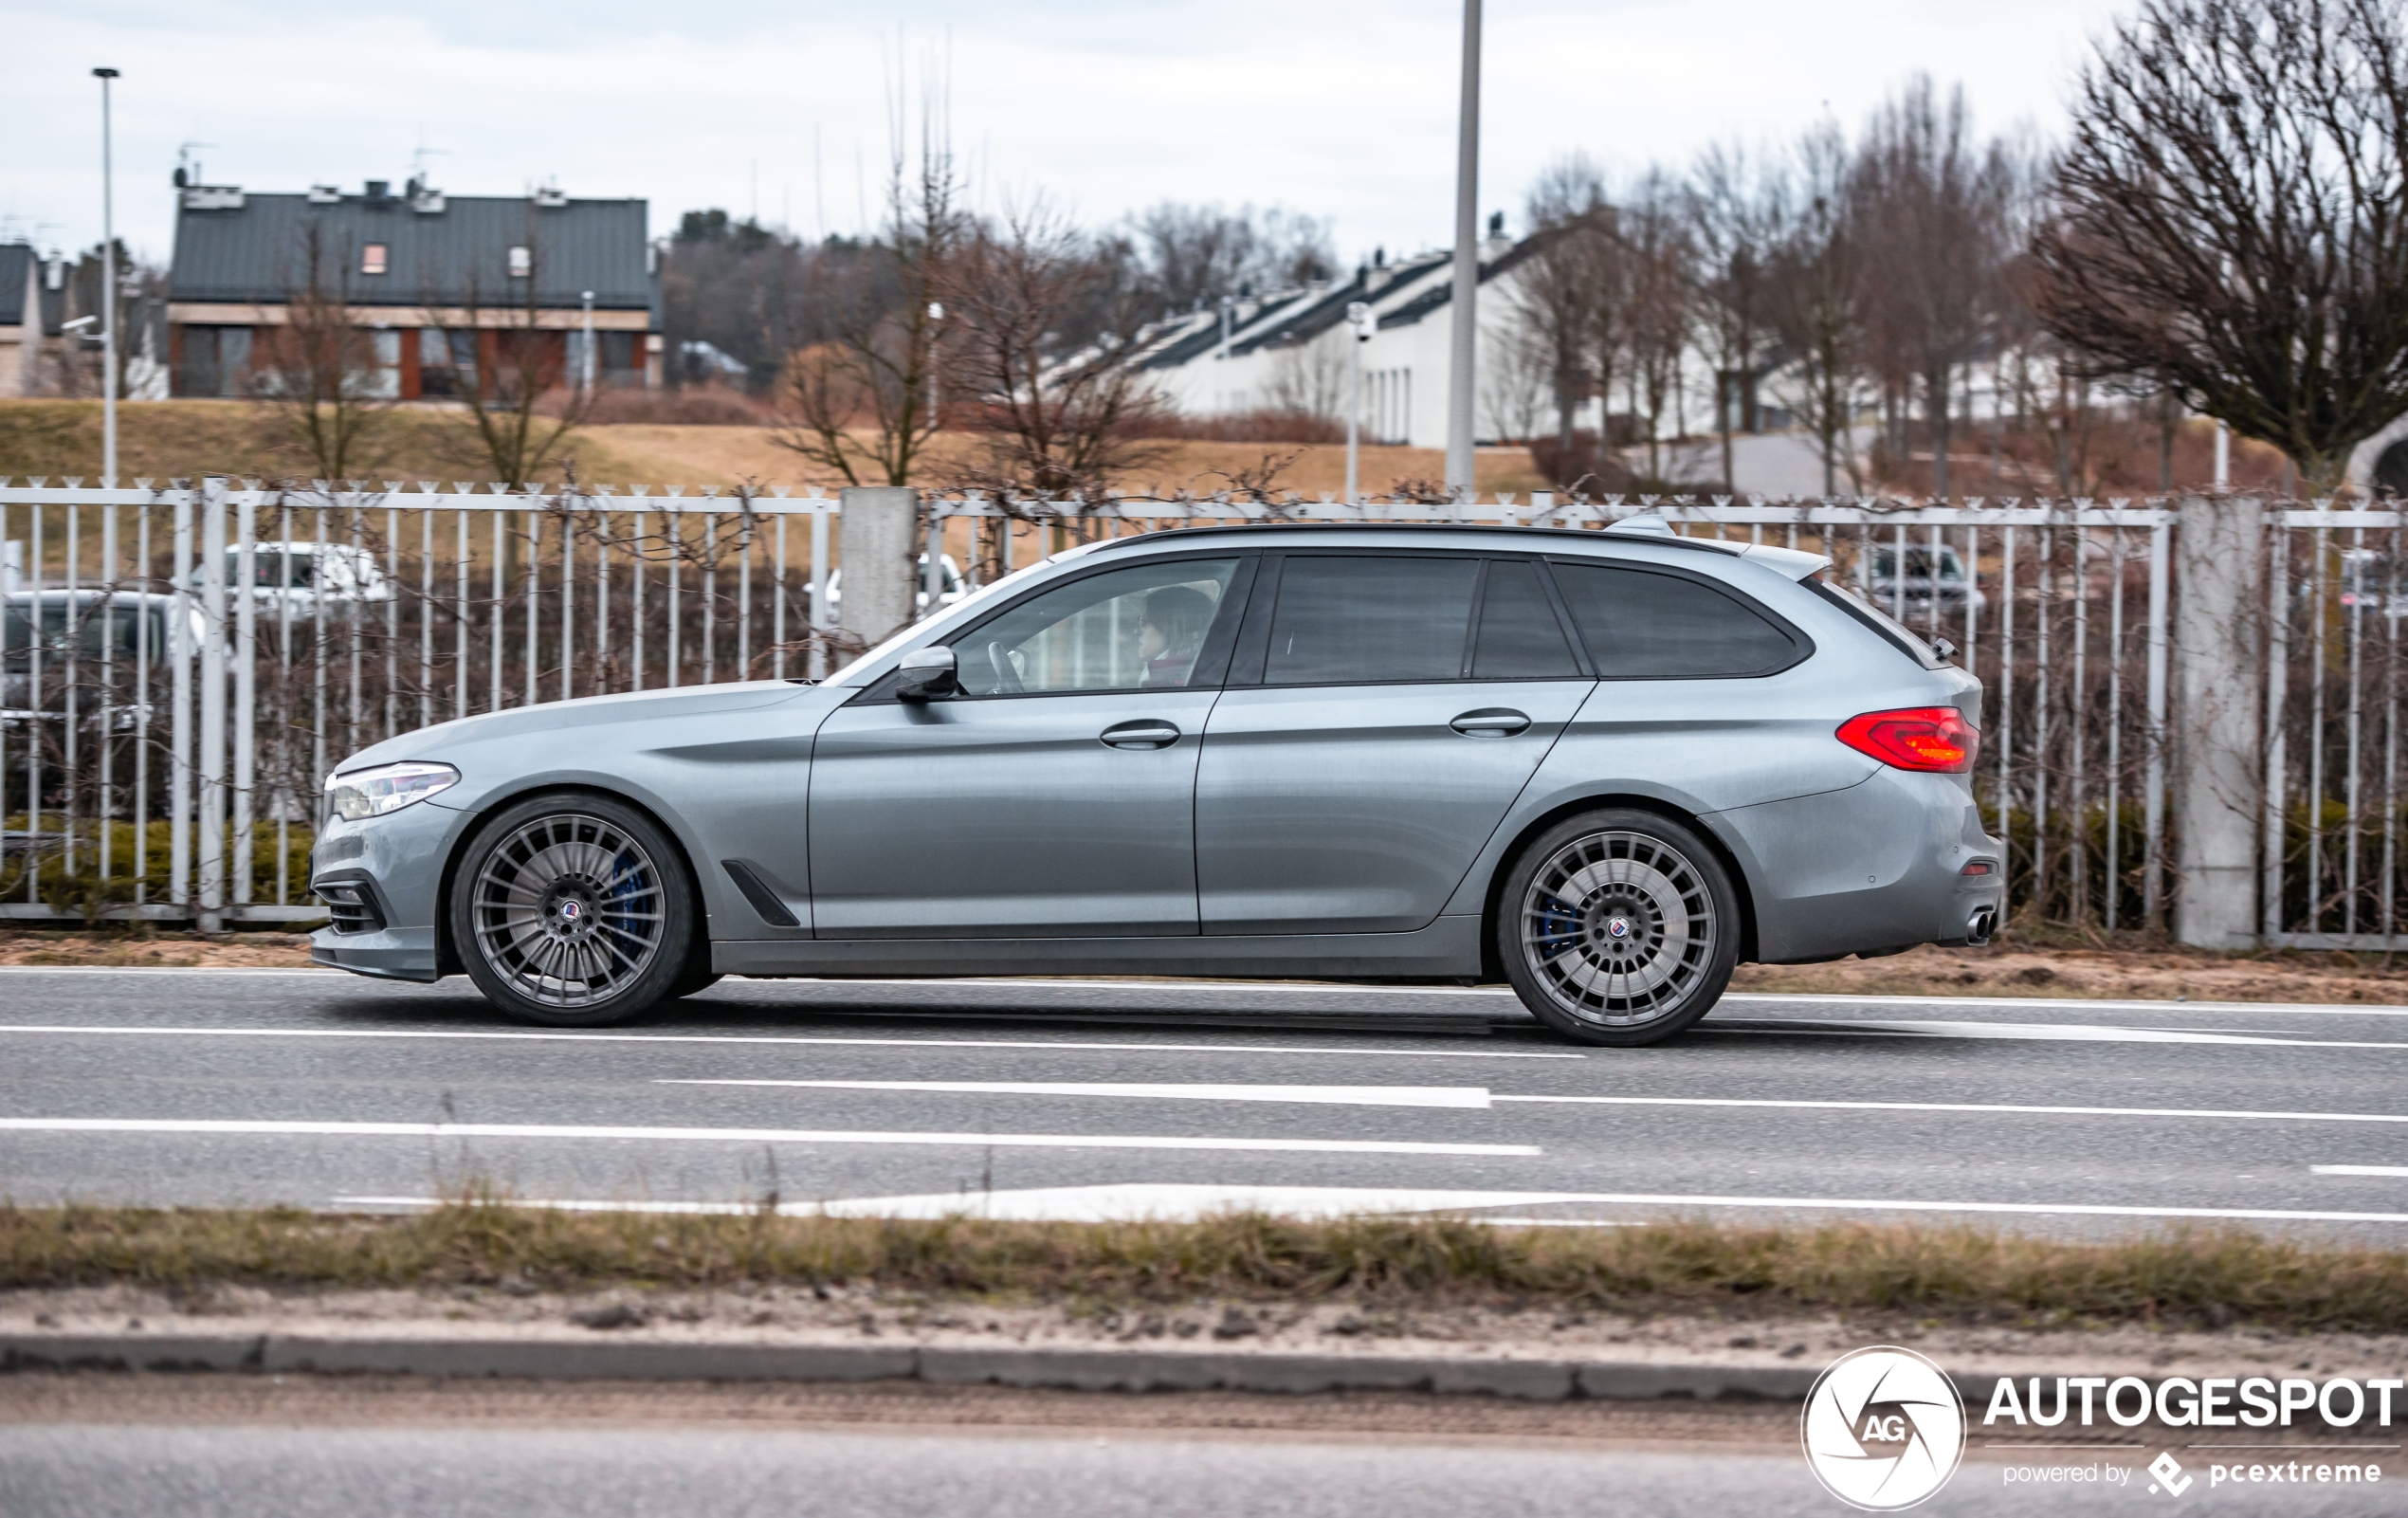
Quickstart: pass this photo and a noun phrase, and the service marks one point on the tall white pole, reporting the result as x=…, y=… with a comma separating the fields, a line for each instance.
x=2223, y=455
x=1358, y=320
x=108, y=295
x=1466, y=292
x=585, y=369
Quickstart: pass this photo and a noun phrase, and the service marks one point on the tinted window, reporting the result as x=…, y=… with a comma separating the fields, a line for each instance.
x=1643, y=626
x=1135, y=629
x=1520, y=635
x=1359, y=620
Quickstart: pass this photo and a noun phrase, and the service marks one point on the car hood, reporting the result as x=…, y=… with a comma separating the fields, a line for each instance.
x=591, y=711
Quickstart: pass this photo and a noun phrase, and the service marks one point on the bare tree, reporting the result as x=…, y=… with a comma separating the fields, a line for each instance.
x=875, y=369
x=1052, y=420
x=1309, y=379
x=1661, y=310
x=1934, y=204
x=2228, y=218
x=317, y=373
x=1569, y=298
x=520, y=417
x=1192, y=255
x=1812, y=302
x=1734, y=209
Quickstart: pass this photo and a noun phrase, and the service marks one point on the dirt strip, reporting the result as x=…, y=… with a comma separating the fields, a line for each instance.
x=2120, y=973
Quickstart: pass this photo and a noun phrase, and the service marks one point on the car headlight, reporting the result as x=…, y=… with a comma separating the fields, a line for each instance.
x=373, y=793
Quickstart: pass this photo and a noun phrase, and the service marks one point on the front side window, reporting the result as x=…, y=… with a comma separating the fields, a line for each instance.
x=1647, y=625
x=1136, y=628
x=1348, y=620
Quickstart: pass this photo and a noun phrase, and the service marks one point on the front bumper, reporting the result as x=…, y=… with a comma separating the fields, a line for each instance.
x=398, y=860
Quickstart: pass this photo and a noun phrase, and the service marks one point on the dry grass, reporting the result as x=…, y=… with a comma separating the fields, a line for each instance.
x=167, y=439
x=2178, y=1279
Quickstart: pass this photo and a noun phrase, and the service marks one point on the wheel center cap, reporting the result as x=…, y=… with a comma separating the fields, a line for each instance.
x=1618, y=928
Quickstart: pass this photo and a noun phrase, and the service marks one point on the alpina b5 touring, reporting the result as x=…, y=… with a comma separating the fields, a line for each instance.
x=1604, y=767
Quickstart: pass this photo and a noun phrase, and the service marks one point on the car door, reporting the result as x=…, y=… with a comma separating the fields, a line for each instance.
x=1384, y=712
x=1054, y=796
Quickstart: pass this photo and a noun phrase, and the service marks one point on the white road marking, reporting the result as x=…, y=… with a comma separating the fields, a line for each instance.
x=549, y=1131
x=1123, y=1047
x=1126, y=1202
x=2034, y=1032
x=2358, y=1170
x=2002, y=1108
x=1453, y=1096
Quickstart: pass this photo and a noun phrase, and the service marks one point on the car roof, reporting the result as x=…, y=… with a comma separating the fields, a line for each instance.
x=1530, y=539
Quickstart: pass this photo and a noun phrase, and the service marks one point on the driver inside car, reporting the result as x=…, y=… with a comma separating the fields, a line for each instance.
x=1171, y=635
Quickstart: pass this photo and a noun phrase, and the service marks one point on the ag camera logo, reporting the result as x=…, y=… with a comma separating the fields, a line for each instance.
x=1884, y=1429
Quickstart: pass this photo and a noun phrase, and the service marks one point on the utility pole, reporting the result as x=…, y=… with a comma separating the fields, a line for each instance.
x=1220, y=395
x=1359, y=317
x=585, y=365
x=1466, y=292
x=108, y=295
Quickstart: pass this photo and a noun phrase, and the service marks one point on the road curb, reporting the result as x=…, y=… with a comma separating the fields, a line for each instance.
x=1100, y=1370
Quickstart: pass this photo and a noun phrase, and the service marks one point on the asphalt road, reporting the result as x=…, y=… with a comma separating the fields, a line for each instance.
x=1031, y=1098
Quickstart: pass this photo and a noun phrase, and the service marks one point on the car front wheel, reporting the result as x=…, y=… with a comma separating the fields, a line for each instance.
x=573, y=912
x=1619, y=926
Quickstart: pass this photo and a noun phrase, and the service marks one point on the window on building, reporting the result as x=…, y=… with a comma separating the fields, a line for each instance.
x=521, y=262
x=447, y=361
x=371, y=258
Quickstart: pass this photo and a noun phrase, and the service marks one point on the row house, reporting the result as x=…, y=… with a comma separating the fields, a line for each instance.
x=436, y=284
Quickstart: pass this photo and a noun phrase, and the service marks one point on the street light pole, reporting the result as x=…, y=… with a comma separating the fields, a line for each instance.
x=585, y=369
x=1466, y=291
x=108, y=295
x=1359, y=317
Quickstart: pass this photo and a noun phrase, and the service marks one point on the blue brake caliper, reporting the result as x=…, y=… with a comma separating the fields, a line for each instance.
x=1559, y=927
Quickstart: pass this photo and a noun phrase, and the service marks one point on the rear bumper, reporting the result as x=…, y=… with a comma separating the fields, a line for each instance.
x=1877, y=866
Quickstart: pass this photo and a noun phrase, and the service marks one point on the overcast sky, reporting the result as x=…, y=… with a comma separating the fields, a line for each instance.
x=1342, y=108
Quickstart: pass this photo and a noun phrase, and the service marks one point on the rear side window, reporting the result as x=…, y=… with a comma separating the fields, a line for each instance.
x=1647, y=625
x=1520, y=638
x=1346, y=619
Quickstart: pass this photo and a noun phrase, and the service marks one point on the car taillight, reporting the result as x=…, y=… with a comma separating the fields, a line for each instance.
x=1936, y=740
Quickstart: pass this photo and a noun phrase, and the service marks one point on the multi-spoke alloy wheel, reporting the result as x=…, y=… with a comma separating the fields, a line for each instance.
x=573, y=912
x=1618, y=928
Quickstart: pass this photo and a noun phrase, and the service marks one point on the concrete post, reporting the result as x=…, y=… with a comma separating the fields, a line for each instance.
x=878, y=545
x=2219, y=728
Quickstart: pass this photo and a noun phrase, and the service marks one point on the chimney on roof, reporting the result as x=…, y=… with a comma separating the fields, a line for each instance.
x=378, y=192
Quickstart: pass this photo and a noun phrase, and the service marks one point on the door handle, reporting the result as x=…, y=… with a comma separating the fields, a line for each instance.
x=1143, y=732
x=1493, y=721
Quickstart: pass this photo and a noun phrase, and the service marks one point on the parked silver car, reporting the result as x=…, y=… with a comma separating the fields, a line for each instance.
x=1604, y=767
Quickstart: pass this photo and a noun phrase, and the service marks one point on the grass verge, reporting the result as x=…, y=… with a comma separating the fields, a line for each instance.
x=2188, y=1278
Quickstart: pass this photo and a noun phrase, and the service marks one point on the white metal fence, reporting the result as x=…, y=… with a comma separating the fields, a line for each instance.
x=204, y=651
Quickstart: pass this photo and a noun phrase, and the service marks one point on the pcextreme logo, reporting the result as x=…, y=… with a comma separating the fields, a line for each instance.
x=1884, y=1429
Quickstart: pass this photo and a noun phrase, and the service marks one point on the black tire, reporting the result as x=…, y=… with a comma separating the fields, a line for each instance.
x=1617, y=926
x=574, y=911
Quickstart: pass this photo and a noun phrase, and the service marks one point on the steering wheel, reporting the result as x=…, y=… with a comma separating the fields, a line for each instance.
x=1007, y=675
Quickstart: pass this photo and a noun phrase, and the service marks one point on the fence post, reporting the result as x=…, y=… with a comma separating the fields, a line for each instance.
x=214, y=671
x=2220, y=656
x=877, y=528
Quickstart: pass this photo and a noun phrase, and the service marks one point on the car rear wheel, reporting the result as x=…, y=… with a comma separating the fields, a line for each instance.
x=1618, y=927
x=573, y=912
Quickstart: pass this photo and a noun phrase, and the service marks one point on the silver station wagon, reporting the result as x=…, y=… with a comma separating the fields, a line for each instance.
x=1605, y=767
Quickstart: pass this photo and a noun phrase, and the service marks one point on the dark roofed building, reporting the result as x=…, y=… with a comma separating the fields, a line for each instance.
x=32, y=303
x=435, y=278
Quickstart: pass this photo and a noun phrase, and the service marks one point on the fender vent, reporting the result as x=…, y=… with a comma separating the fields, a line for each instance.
x=764, y=901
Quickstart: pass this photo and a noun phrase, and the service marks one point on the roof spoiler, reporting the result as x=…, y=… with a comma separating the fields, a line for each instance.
x=1788, y=561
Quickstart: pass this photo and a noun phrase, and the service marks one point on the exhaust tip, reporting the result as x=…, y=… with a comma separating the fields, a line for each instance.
x=1983, y=923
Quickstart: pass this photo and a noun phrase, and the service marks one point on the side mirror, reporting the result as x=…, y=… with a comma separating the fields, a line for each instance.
x=927, y=674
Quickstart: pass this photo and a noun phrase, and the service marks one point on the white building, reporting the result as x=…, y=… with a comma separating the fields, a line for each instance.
x=1289, y=352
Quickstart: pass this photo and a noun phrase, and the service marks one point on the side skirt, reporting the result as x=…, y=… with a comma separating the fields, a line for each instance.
x=1447, y=949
